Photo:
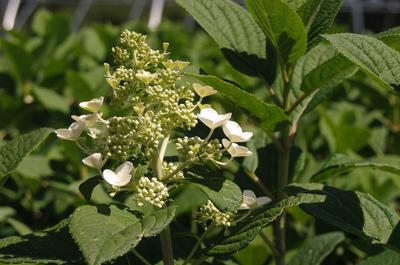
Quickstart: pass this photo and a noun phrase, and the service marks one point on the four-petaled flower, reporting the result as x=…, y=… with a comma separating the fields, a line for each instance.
x=236, y=150
x=93, y=105
x=145, y=77
x=72, y=133
x=235, y=133
x=250, y=200
x=121, y=176
x=203, y=91
x=212, y=119
x=94, y=160
x=88, y=120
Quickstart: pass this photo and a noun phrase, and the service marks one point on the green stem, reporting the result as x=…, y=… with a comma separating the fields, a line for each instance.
x=140, y=257
x=197, y=245
x=166, y=246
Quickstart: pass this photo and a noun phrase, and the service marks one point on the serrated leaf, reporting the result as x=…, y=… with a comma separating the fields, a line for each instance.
x=155, y=223
x=374, y=57
x=338, y=165
x=328, y=74
x=282, y=25
x=234, y=30
x=103, y=232
x=316, y=249
x=224, y=193
x=353, y=212
x=12, y=152
x=245, y=231
x=318, y=16
x=270, y=116
x=386, y=257
x=391, y=37
x=50, y=246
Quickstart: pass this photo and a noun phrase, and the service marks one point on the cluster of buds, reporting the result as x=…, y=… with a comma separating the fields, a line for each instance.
x=151, y=191
x=208, y=212
x=151, y=103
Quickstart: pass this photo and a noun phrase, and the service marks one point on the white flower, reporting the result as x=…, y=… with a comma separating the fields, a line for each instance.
x=121, y=176
x=93, y=132
x=235, y=133
x=203, y=91
x=212, y=119
x=251, y=201
x=93, y=105
x=94, y=160
x=72, y=133
x=236, y=150
x=88, y=120
x=145, y=77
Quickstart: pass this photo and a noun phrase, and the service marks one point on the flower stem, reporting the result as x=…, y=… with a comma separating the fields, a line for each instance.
x=198, y=243
x=166, y=246
x=140, y=257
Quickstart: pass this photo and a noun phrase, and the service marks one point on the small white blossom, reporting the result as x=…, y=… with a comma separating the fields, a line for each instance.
x=235, y=133
x=203, y=91
x=151, y=191
x=251, y=201
x=236, y=150
x=94, y=160
x=88, y=120
x=212, y=119
x=145, y=77
x=121, y=176
x=93, y=132
x=72, y=133
x=93, y=105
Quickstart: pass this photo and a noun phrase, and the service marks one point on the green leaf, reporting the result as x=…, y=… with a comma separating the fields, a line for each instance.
x=386, y=257
x=353, y=212
x=224, y=193
x=104, y=233
x=86, y=188
x=374, y=57
x=245, y=231
x=35, y=166
x=20, y=60
x=50, y=99
x=155, y=223
x=318, y=16
x=329, y=74
x=270, y=116
x=12, y=152
x=282, y=25
x=391, y=37
x=50, y=246
x=338, y=165
x=234, y=30
x=316, y=249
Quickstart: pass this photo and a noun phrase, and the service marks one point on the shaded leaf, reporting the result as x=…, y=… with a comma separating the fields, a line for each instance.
x=155, y=223
x=12, y=152
x=86, y=188
x=387, y=257
x=50, y=99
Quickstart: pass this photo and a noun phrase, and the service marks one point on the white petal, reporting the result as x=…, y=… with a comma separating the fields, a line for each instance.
x=239, y=151
x=63, y=134
x=222, y=119
x=235, y=133
x=89, y=119
x=263, y=200
x=93, y=132
x=226, y=143
x=110, y=177
x=92, y=105
x=244, y=206
x=249, y=193
x=121, y=176
x=203, y=91
x=94, y=160
x=124, y=169
x=76, y=129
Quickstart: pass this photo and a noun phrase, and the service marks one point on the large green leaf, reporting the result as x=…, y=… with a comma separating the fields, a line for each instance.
x=374, y=57
x=340, y=164
x=271, y=116
x=234, y=30
x=224, y=193
x=354, y=212
x=104, y=233
x=386, y=257
x=318, y=16
x=246, y=230
x=157, y=221
x=316, y=249
x=50, y=246
x=12, y=152
x=50, y=99
x=282, y=25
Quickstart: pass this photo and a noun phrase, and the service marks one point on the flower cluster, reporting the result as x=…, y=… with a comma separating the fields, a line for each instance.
x=151, y=191
x=209, y=212
x=152, y=102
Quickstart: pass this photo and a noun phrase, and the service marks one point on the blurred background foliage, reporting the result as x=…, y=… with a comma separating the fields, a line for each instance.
x=46, y=69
